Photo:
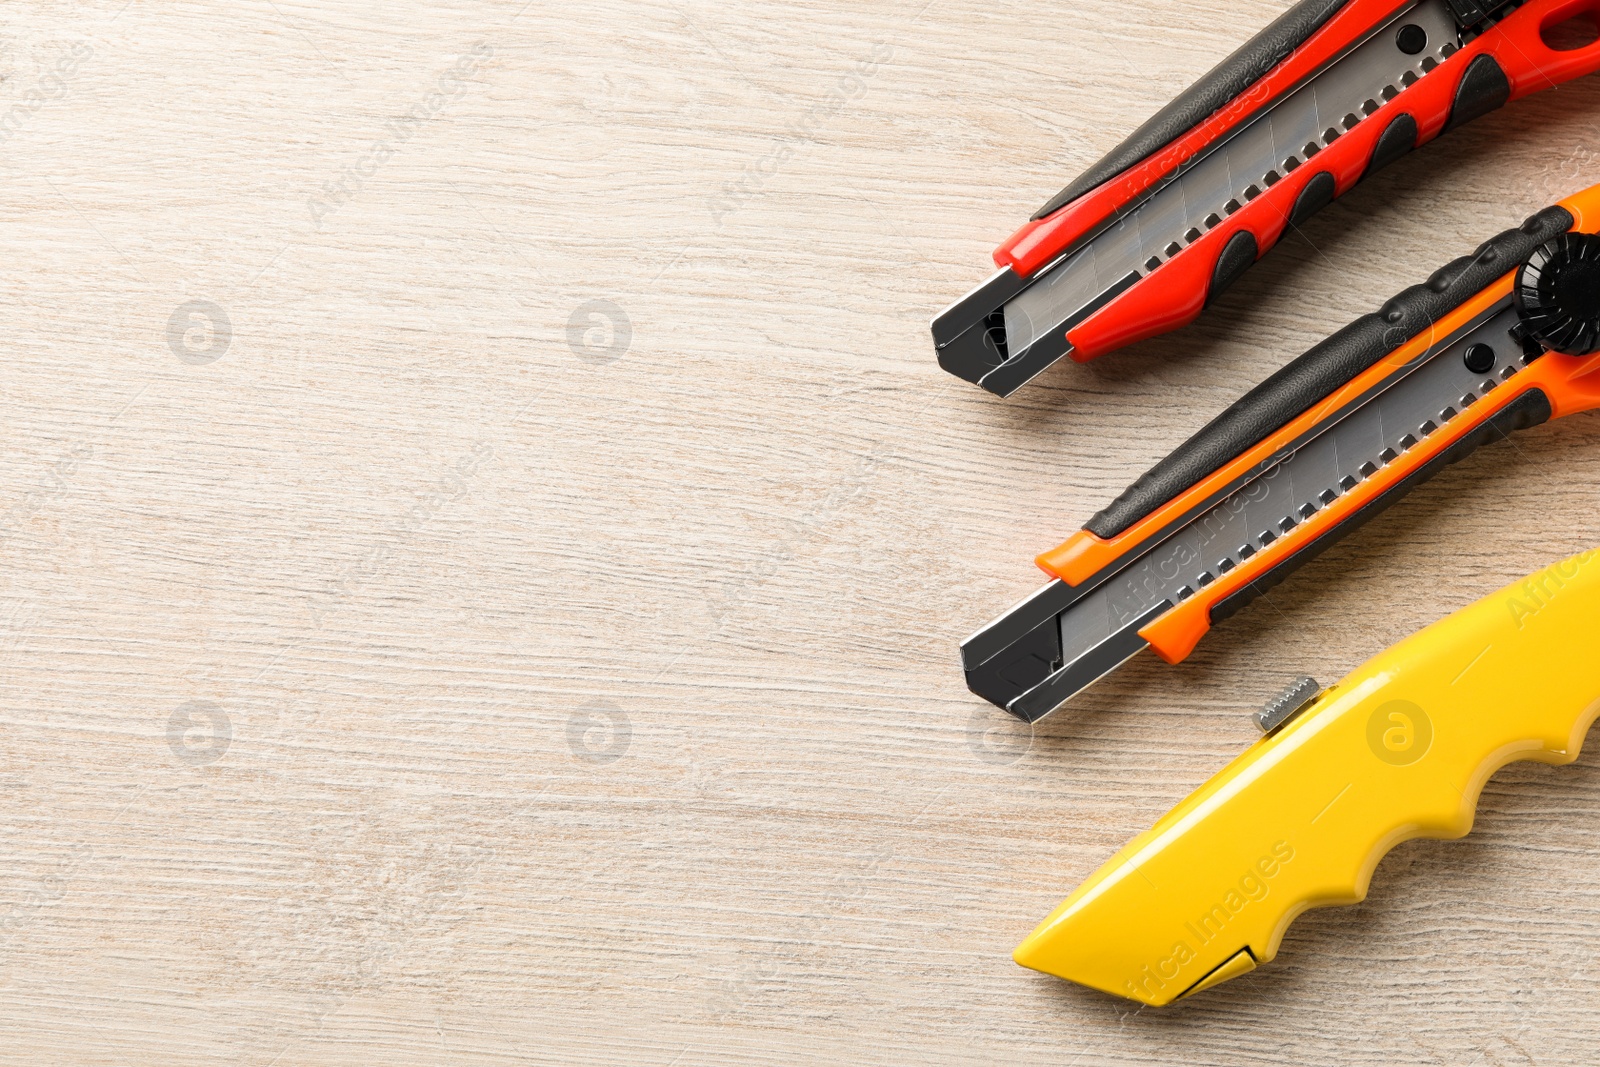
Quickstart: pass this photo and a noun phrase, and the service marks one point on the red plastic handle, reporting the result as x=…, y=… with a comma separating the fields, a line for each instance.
x=1528, y=61
x=1151, y=306
x=1040, y=241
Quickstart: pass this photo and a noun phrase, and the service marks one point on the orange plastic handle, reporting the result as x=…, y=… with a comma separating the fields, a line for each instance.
x=1569, y=384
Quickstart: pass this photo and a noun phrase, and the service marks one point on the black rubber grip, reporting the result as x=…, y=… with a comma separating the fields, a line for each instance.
x=1318, y=372
x=1202, y=99
x=1398, y=138
x=1482, y=89
x=1529, y=409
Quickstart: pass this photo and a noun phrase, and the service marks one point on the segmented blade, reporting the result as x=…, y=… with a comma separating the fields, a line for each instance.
x=1030, y=331
x=1095, y=626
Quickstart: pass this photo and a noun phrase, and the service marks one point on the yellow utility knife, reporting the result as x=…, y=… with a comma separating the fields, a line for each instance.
x=1398, y=749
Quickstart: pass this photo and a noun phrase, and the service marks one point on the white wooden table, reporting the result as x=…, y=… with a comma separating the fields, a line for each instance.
x=485, y=541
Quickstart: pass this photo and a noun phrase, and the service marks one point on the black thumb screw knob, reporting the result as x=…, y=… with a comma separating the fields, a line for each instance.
x=1557, y=294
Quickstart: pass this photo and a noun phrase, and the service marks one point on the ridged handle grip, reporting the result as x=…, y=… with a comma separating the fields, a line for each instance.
x=1398, y=749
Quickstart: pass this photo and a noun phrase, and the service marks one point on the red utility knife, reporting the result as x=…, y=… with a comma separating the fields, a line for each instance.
x=1329, y=93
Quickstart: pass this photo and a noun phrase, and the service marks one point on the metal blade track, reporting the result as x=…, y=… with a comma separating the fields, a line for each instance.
x=1218, y=183
x=1096, y=626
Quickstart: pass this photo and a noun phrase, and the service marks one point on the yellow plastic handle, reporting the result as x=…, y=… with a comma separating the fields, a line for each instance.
x=1398, y=749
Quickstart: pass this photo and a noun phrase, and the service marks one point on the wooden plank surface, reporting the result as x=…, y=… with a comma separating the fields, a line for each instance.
x=484, y=545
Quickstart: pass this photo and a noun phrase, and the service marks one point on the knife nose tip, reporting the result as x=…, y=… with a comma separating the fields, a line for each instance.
x=1049, y=950
x=1027, y=954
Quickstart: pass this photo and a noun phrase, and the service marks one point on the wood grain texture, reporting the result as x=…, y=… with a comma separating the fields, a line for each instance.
x=447, y=672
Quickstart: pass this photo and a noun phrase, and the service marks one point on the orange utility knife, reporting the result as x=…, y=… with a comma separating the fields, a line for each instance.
x=1492, y=342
